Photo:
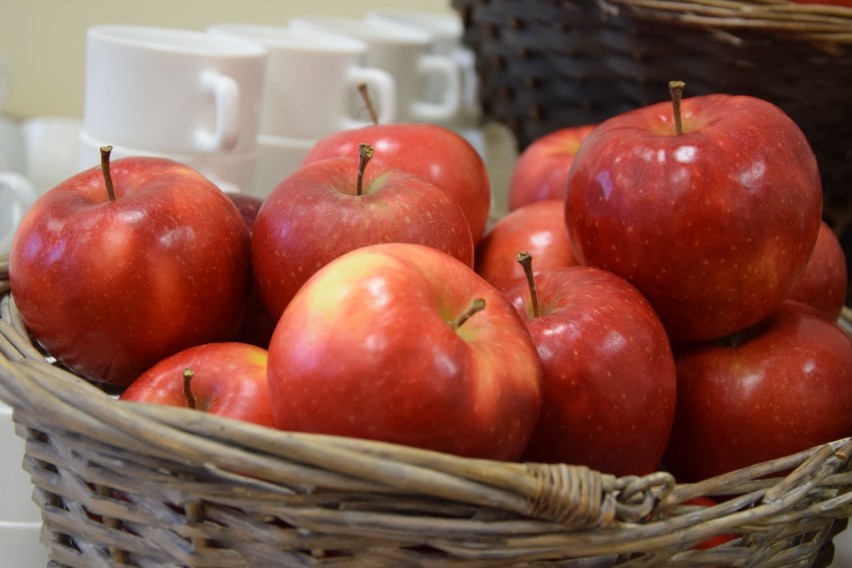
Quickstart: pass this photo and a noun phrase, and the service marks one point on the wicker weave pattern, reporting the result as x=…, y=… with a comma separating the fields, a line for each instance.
x=123, y=484
x=822, y=25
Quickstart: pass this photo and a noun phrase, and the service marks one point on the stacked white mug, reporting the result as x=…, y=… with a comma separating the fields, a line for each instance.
x=312, y=81
x=446, y=31
x=16, y=191
x=404, y=52
x=174, y=93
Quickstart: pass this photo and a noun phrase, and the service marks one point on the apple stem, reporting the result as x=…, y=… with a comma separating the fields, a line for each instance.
x=525, y=259
x=105, y=152
x=676, y=91
x=187, y=388
x=365, y=95
x=365, y=152
x=477, y=305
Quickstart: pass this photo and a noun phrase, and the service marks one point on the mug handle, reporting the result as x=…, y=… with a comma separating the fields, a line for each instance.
x=23, y=196
x=466, y=61
x=448, y=108
x=226, y=94
x=382, y=89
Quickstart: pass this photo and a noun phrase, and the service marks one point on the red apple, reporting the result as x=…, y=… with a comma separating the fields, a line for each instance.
x=608, y=375
x=257, y=325
x=332, y=206
x=824, y=282
x=712, y=217
x=383, y=343
x=716, y=540
x=226, y=379
x=541, y=171
x=537, y=228
x=109, y=285
x=434, y=152
x=782, y=386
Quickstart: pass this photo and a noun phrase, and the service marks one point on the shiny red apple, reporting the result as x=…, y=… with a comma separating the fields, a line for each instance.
x=824, y=282
x=608, y=374
x=404, y=343
x=332, y=206
x=541, y=171
x=711, y=208
x=537, y=228
x=781, y=386
x=434, y=152
x=226, y=379
x=113, y=277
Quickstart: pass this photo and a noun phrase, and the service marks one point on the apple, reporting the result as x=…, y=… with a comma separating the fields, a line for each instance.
x=434, y=152
x=711, y=208
x=332, y=206
x=538, y=228
x=258, y=324
x=541, y=171
x=716, y=540
x=122, y=265
x=781, y=386
x=226, y=379
x=608, y=373
x=824, y=282
x=404, y=343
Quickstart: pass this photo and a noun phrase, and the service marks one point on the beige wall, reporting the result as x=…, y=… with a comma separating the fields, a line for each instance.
x=44, y=40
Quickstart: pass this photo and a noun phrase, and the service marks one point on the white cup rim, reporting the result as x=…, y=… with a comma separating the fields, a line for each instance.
x=197, y=158
x=289, y=37
x=18, y=525
x=368, y=30
x=270, y=141
x=176, y=40
x=447, y=26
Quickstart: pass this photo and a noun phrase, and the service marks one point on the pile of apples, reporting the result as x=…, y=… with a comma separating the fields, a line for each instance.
x=663, y=292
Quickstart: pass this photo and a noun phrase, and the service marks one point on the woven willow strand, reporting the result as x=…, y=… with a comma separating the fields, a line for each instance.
x=808, y=22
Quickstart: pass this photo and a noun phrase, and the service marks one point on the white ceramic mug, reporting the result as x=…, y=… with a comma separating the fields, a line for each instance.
x=447, y=31
x=16, y=196
x=231, y=172
x=402, y=51
x=12, y=156
x=311, y=77
x=51, y=149
x=277, y=158
x=172, y=90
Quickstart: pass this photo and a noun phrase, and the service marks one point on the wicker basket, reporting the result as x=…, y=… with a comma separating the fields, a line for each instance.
x=569, y=62
x=123, y=484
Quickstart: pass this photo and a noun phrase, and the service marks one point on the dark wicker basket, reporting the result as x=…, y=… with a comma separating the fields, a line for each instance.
x=554, y=63
x=137, y=485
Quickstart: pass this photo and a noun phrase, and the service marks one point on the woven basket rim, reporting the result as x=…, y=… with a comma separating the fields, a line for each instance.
x=827, y=26
x=609, y=514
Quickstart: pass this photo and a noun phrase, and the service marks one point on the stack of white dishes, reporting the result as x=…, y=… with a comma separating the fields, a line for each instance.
x=312, y=79
x=20, y=518
x=180, y=94
x=16, y=191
